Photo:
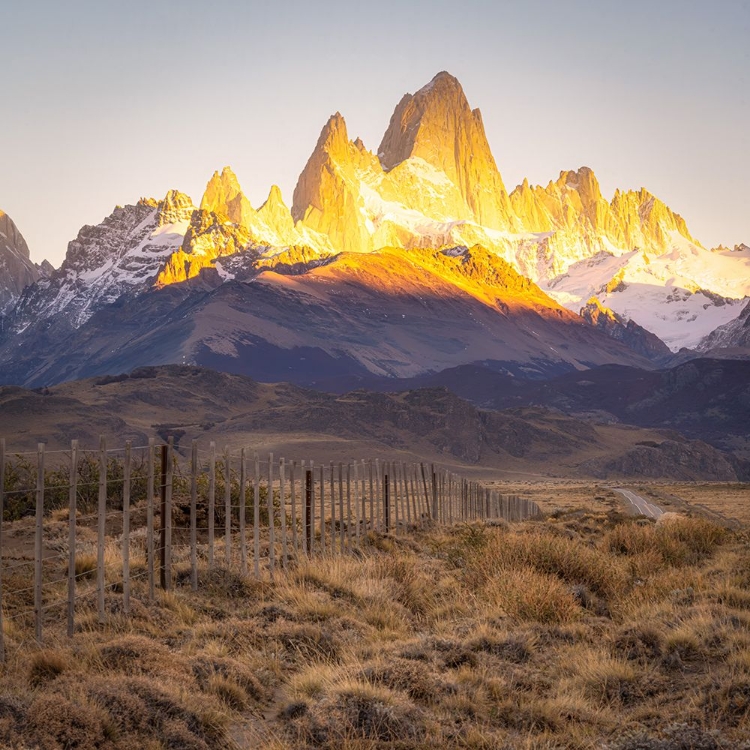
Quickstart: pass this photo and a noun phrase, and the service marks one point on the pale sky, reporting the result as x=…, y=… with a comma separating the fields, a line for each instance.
x=106, y=101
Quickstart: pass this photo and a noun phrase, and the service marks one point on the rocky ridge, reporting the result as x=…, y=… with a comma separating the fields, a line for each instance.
x=16, y=269
x=433, y=183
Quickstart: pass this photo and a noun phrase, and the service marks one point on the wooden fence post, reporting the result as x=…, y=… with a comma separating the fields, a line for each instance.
x=194, y=515
x=311, y=511
x=307, y=519
x=271, y=518
x=372, y=499
x=162, y=516
x=38, y=541
x=150, y=519
x=322, y=511
x=357, y=503
x=342, y=531
x=168, y=516
x=386, y=500
x=72, y=502
x=434, y=513
x=2, y=511
x=126, y=530
x=348, y=505
x=292, y=479
x=379, y=510
x=102, y=519
x=397, y=512
x=242, y=501
x=333, y=510
x=227, y=507
x=282, y=511
x=256, y=516
x=426, y=494
x=211, y=502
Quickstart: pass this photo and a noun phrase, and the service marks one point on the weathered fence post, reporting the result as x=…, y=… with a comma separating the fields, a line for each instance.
x=167, y=519
x=242, y=509
x=271, y=518
x=372, y=500
x=194, y=515
x=349, y=505
x=292, y=480
x=333, y=511
x=162, y=518
x=227, y=507
x=102, y=519
x=38, y=541
x=211, y=502
x=357, y=503
x=150, y=519
x=322, y=511
x=126, y=530
x=256, y=516
x=72, y=502
x=341, y=507
x=307, y=532
x=386, y=500
x=282, y=511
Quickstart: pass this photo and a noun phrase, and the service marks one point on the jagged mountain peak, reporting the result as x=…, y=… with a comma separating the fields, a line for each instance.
x=223, y=195
x=175, y=208
x=437, y=125
x=334, y=138
x=275, y=198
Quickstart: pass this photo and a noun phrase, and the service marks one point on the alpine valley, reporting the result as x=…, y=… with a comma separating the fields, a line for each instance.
x=397, y=263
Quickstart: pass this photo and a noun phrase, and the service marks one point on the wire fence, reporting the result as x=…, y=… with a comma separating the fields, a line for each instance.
x=105, y=519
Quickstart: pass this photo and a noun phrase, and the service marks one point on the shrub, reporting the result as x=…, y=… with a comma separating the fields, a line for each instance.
x=526, y=594
x=46, y=666
x=569, y=560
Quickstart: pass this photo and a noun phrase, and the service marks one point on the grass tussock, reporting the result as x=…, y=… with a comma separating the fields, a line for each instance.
x=586, y=632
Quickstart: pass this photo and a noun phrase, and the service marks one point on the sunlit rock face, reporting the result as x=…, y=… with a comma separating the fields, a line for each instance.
x=224, y=196
x=438, y=126
x=16, y=269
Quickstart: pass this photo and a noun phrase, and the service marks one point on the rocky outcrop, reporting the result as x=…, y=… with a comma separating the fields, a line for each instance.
x=16, y=269
x=628, y=332
x=121, y=256
x=682, y=461
x=732, y=335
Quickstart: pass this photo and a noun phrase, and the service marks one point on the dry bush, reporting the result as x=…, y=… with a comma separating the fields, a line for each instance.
x=569, y=560
x=527, y=595
x=206, y=669
x=605, y=680
x=46, y=666
x=304, y=643
x=419, y=683
x=681, y=541
x=643, y=643
x=56, y=722
x=138, y=655
x=517, y=648
x=356, y=710
x=85, y=566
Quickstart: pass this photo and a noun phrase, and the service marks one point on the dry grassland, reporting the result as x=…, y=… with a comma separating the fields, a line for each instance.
x=586, y=630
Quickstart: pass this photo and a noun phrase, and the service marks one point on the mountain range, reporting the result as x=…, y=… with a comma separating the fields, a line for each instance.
x=399, y=262
x=428, y=424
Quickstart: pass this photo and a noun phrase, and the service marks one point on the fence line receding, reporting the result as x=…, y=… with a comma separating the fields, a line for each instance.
x=106, y=518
